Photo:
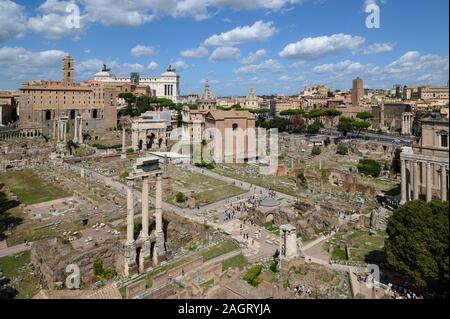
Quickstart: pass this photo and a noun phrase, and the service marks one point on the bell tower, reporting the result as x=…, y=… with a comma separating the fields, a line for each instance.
x=68, y=70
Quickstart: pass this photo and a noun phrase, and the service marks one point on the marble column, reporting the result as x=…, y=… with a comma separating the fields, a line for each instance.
x=443, y=183
x=80, y=130
x=75, y=135
x=123, y=155
x=130, y=213
x=54, y=133
x=145, y=208
x=429, y=183
x=409, y=181
x=403, y=181
x=159, y=245
x=416, y=181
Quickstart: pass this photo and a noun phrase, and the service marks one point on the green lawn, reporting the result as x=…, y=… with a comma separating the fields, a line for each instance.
x=238, y=261
x=338, y=254
x=29, y=188
x=365, y=247
x=10, y=267
x=219, y=250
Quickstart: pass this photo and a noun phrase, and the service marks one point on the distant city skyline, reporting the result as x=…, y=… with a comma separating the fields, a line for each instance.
x=275, y=47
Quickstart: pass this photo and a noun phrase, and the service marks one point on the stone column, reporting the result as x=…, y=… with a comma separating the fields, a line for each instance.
x=145, y=207
x=443, y=183
x=403, y=181
x=64, y=131
x=75, y=135
x=429, y=183
x=80, y=130
x=123, y=155
x=416, y=181
x=159, y=245
x=54, y=133
x=130, y=213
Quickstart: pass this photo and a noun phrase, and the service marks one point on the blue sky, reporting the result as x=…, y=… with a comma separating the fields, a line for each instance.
x=274, y=46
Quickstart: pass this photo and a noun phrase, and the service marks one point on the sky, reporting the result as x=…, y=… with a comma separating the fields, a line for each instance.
x=273, y=46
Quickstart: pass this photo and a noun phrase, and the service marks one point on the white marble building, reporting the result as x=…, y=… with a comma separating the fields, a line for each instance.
x=167, y=85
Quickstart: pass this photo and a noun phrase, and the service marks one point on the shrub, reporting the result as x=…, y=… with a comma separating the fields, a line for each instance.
x=252, y=275
x=274, y=266
x=98, y=268
x=316, y=151
x=302, y=177
x=342, y=149
x=314, y=128
x=369, y=167
x=180, y=198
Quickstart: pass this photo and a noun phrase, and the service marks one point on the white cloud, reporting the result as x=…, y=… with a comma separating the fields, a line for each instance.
x=52, y=22
x=153, y=66
x=195, y=53
x=12, y=20
x=378, y=48
x=414, y=64
x=314, y=48
x=344, y=68
x=224, y=54
x=254, y=57
x=180, y=65
x=138, y=12
x=265, y=66
x=19, y=64
x=259, y=31
x=142, y=50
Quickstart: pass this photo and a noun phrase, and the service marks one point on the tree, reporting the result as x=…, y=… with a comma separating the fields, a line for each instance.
x=360, y=126
x=316, y=151
x=418, y=243
x=369, y=167
x=315, y=114
x=342, y=149
x=331, y=114
x=345, y=125
x=364, y=116
x=292, y=112
x=180, y=198
x=297, y=124
x=314, y=128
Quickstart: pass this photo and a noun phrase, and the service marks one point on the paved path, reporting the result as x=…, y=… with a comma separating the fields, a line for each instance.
x=13, y=250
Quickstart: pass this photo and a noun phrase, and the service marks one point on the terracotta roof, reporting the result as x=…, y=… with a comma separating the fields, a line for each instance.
x=107, y=292
x=221, y=115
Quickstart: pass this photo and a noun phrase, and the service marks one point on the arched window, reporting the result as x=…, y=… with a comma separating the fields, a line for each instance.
x=235, y=127
x=48, y=115
x=94, y=114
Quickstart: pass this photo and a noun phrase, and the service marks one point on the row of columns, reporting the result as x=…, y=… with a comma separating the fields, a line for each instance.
x=78, y=135
x=159, y=247
x=410, y=187
x=407, y=120
x=60, y=130
x=11, y=135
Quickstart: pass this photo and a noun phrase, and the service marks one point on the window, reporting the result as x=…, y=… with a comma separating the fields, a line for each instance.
x=235, y=127
x=444, y=140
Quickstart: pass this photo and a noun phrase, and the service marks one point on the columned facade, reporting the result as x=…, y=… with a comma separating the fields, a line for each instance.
x=407, y=121
x=423, y=177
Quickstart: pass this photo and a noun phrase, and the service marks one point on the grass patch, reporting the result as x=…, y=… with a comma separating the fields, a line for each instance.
x=219, y=250
x=339, y=254
x=30, y=189
x=10, y=266
x=208, y=284
x=238, y=261
x=270, y=226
